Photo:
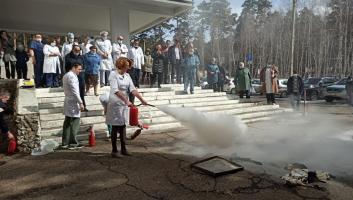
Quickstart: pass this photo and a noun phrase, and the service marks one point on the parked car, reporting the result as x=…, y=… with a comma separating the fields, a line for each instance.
x=229, y=86
x=282, y=88
x=315, y=87
x=256, y=84
x=336, y=91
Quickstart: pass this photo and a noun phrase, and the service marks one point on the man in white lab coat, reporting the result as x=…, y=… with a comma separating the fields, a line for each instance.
x=136, y=54
x=73, y=106
x=67, y=48
x=119, y=49
x=104, y=49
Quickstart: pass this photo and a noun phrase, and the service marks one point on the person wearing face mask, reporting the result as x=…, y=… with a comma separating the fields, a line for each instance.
x=190, y=64
x=51, y=67
x=119, y=49
x=37, y=56
x=67, y=48
x=21, y=64
x=8, y=46
x=75, y=57
x=86, y=45
x=91, y=61
x=104, y=49
x=136, y=54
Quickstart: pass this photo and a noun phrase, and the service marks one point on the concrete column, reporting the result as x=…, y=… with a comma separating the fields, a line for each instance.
x=119, y=21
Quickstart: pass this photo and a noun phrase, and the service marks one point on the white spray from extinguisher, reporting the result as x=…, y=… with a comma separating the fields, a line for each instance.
x=212, y=129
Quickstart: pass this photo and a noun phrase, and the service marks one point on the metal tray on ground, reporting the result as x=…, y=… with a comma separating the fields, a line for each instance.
x=217, y=166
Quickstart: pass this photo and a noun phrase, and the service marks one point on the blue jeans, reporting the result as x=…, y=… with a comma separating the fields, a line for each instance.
x=189, y=79
x=38, y=73
x=295, y=101
x=51, y=80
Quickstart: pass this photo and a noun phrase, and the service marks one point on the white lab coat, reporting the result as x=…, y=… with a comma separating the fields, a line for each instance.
x=137, y=56
x=66, y=49
x=72, y=95
x=51, y=63
x=118, y=111
x=105, y=46
x=119, y=50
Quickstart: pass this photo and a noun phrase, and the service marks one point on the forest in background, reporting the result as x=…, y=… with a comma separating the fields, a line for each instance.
x=261, y=35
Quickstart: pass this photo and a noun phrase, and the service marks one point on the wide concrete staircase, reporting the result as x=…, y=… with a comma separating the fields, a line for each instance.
x=51, y=103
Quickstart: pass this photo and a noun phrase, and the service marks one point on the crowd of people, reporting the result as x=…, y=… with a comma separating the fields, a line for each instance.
x=79, y=66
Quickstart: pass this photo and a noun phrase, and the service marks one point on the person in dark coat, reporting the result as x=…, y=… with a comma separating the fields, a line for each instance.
x=243, y=81
x=175, y=56
x=75, y=57
x=295, y=88
x=158, y=65
x=212, y=74
x=4, y=109
x=21, y=64
x=221, y=78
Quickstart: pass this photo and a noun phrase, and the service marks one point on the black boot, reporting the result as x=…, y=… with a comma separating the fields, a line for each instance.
x=123, y=142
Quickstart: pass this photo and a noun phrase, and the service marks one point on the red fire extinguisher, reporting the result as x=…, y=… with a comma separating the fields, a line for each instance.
x=134, y=119
x=92, y=137
x=12, y=147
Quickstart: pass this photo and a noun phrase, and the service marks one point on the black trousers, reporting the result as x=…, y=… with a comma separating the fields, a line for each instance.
x=270, y=98
x=10, y=68
x=122, y=135
x=246, y=92
x=214, y=86
x=154, y=77
x=82, y=86
x=177, y=70
x=135, y=76
x=21, y=71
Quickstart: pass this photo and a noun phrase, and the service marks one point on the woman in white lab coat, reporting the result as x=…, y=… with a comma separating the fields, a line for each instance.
x=118, y=107
x=51, y=66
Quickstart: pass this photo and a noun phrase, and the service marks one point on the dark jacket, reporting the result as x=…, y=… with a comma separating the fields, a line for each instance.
x=3, y=125
x=92, y=63
x=172, y=55
x=71, y=59
x=22, y=58
x=158, y=62
x=295, y=85
x=221, y=75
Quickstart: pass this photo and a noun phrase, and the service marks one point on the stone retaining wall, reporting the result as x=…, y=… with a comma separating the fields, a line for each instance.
x=27, y=132
x=27, y=121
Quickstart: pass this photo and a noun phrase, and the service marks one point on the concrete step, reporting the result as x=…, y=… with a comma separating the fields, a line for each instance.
x=100, y=129
x=243, y=113
x=53, y=108
x=58, y=92
x=52, y=127
x=93, y=100
x=155, y=112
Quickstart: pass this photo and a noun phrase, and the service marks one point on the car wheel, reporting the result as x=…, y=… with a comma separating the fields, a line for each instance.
x=284, y=95
x=329, y=99
x=314, y=96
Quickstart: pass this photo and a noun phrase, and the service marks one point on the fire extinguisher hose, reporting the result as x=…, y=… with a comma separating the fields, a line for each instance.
x=146, y=105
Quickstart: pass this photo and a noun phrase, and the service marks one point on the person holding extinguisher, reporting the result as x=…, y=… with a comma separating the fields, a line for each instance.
x=118, y=107
x=4, y=109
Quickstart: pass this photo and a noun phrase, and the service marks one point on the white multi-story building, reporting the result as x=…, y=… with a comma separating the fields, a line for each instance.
x=119, y=17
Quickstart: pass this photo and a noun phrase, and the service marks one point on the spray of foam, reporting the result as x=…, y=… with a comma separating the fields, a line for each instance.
x=319, y=141
x=218, y=130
